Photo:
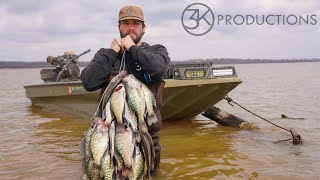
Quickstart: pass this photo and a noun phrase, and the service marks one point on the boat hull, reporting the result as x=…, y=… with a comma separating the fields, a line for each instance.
x=182, y=99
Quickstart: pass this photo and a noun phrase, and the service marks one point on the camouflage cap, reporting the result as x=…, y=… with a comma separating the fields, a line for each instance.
x=131, y=12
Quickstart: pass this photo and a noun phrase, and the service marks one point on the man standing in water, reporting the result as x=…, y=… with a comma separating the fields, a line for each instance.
x=147, y=63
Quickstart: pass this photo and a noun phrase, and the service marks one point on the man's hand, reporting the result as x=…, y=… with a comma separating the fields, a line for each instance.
x=116, y=45
x=127, y=42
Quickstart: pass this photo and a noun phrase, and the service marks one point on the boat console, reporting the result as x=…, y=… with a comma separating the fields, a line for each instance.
x=198, y=70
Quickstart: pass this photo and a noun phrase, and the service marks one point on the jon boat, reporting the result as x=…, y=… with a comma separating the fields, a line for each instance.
x=190, y=89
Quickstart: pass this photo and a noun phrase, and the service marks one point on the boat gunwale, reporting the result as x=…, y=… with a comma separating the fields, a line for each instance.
x=169, y=82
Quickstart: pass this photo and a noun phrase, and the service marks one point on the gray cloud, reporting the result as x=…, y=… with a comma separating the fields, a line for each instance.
x=31, y=30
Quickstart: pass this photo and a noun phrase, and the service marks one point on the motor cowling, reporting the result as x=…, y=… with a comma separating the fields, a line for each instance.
x=70, y=73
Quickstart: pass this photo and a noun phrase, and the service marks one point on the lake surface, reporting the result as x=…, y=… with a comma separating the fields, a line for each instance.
x=36, y=144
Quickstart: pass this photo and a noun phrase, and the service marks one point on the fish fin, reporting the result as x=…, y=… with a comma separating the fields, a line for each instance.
x=86, y=161
x=83, y=165
x=114, y=175
x=140, y=177
x=134, y=153
x=82, y=148
x=122, y=115
x=137, y=137
x=152, y=119
x=112, y=132
x=154, y=103
x=143, y=126
x=126, y=122
x=119, y=174
x=109, y=116
x=84, y=177
x=118, y=161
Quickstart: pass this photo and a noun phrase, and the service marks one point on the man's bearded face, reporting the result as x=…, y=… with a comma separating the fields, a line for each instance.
x=134, y=28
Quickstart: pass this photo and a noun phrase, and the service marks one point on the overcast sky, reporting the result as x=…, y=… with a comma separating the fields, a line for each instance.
x=30, y=30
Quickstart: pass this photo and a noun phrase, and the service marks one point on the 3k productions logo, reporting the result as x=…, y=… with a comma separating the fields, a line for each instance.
x=197, y=19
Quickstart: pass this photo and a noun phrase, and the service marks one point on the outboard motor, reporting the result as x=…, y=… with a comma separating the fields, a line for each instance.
x=66, y=68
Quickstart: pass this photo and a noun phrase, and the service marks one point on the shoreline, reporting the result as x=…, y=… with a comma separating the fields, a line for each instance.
x=23, y=64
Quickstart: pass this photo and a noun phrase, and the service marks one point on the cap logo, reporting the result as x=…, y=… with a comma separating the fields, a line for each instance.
x=131, y=11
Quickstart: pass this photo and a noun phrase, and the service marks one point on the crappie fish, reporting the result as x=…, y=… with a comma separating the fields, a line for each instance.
x=149, y=98
x=85, y=149
x=85, y=143
x=117, y=100
x=121, y=148
x=124, y=144
x=138, y=164
x=135, y=96
x=99, y=142
x=84, y=177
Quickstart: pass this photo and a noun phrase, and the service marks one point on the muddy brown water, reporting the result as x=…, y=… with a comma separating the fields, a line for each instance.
x=37, y=144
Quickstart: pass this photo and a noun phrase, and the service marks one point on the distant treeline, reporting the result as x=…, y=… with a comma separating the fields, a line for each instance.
x=7, y=64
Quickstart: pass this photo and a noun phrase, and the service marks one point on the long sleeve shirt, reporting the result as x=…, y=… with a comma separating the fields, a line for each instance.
x=148, y=63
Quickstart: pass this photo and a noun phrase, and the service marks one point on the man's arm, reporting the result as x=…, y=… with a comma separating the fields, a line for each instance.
x=155, y=59
x=96, y=73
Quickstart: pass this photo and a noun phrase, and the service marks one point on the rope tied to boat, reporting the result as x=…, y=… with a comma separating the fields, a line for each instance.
x=296, y=138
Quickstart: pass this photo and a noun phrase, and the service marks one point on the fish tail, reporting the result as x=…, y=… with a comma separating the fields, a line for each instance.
x=84, y=177
x=140, y=176
x=96, y=171
x=83, y=165
x=127, y=172
x=114, y=174
x=117, y=161
x=152, y=119
x=126, y=122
